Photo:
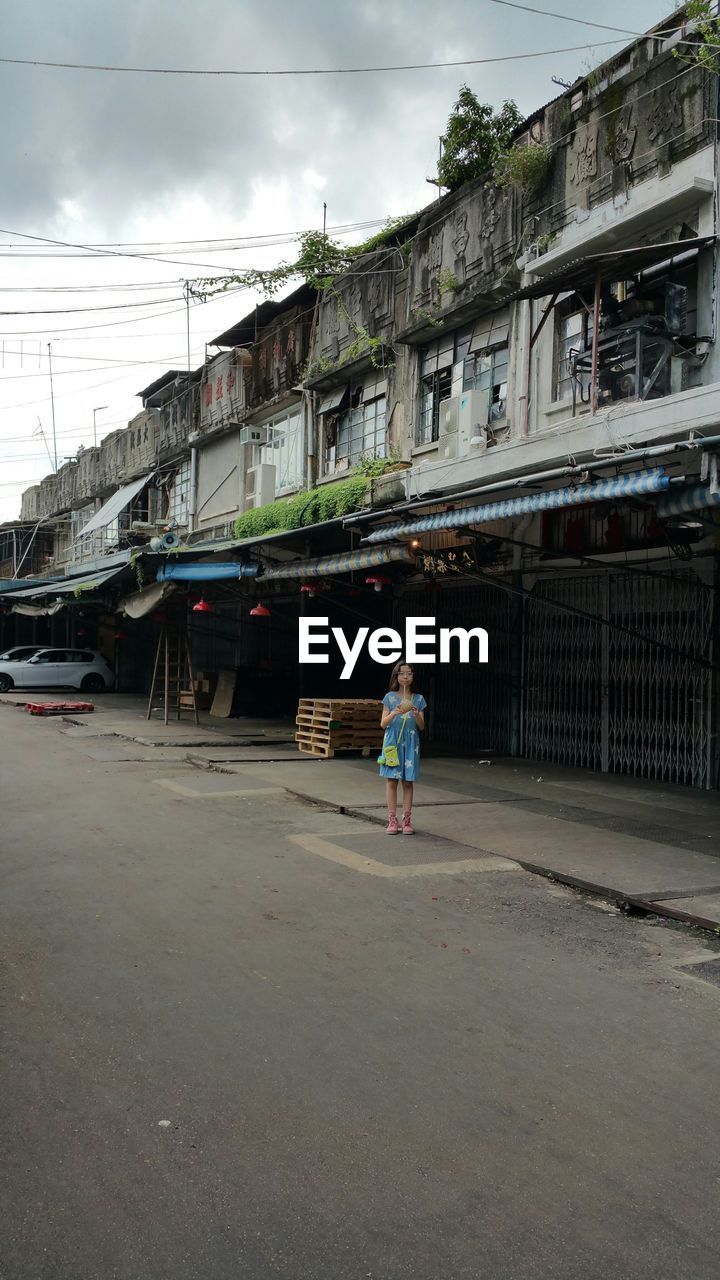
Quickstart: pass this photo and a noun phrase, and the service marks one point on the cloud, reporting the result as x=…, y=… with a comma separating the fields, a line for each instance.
x=115, y=143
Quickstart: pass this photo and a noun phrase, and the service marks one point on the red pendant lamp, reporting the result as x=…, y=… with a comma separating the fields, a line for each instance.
x=260, y=611
x=203, y=606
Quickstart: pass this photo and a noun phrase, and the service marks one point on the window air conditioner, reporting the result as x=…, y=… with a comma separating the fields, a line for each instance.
x=253, y=435
x=260, y=485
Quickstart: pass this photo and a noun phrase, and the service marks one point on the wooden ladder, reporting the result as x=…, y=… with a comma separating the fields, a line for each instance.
x=173, y=687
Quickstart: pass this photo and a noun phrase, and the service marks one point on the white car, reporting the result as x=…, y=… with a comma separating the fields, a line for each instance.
x=58, y=669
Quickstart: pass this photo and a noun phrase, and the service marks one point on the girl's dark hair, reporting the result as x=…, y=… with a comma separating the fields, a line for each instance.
x=394, y=683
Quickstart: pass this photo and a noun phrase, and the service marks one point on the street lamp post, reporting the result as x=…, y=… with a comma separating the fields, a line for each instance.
x=96, y=411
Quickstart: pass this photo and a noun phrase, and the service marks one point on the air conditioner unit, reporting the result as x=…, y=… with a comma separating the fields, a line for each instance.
x=473, y=413
x=260, y=485
x=448, y=424
x=448, y=427
x=253, y=435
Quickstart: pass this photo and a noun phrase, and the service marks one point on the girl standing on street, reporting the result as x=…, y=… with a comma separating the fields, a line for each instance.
x=402, y=717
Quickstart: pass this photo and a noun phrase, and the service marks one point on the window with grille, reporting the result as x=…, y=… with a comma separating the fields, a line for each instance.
x=573, y=335
x=180, y=496
x=354, y=421
x=284, y=449
x=361, y=430
x=474, y=358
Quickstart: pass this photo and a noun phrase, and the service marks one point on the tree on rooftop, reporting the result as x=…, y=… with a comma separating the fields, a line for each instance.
x=475, y=138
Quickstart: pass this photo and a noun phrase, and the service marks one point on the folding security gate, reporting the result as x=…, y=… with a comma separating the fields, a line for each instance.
x=472, y=707
x=617, y=675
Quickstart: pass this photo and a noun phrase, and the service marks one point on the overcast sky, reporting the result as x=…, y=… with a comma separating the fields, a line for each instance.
x=93, y=157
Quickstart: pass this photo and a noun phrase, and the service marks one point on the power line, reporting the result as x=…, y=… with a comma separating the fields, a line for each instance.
x=583, y=22
x=308, y=71
x=70, y=311
x=258, y=240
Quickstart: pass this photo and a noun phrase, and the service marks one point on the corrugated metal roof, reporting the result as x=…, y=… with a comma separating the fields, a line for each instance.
x=581, y=273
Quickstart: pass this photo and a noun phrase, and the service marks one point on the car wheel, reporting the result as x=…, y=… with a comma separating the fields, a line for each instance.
x=6, y=683
x=92, y=684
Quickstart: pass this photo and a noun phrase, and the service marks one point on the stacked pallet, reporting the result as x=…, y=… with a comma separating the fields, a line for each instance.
x=328, y=725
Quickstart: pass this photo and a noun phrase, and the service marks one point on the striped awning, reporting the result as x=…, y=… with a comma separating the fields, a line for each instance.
x=345, y=562
x=697, y=498
x=208, y=572
x=634, y=485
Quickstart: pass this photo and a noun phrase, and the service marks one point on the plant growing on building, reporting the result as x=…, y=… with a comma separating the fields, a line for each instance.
x=546, y=241
x=311, y=506
x=704, y=53
x=320, y=261
x=371, y=467
x=526, y=167
x=137, y=565
x=474, y=139
x=447, y=282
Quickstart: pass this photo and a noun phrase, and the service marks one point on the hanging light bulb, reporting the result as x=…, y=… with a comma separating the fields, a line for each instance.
x=377, y=582
x=260, y=611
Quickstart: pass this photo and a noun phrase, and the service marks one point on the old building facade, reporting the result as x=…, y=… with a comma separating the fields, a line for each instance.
x=528, y=376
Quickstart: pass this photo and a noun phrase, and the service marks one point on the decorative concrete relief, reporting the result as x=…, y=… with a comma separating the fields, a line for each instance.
x=490, y=215
x=583, y=159
x=434, y=261
x=623, y=133
x=665, y=117
x=461, y=238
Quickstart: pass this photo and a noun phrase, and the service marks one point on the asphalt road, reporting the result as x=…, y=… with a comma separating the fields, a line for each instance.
x=229, y=1054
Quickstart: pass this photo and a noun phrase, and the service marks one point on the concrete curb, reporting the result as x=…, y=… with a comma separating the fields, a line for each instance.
x=629, y=902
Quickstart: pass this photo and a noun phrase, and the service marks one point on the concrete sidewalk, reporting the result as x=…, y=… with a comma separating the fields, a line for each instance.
x=653, y=847
x=650, y=846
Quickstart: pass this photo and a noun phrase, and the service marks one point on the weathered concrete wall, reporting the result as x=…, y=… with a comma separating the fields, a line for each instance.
x=635, y=119
x=222, y=391
x=279, y=358
x=221, y=480
x=462, y=260
x=152, y=437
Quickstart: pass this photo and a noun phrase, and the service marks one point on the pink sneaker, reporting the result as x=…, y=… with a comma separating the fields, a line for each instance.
x=407, y=827
x=393, y=825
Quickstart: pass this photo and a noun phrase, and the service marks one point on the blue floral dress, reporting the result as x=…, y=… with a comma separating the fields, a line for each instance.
x=403, y=734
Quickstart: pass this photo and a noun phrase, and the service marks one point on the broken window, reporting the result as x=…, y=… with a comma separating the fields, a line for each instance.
x=360, y=429
x=486, y=365
x=436, y=380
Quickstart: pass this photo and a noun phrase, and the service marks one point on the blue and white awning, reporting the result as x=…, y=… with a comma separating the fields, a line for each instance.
x=208, y=572
x=345, y=562
x=629, y=486
x=697, y=498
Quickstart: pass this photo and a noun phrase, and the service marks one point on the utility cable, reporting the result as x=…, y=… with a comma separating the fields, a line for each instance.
x=305, y=71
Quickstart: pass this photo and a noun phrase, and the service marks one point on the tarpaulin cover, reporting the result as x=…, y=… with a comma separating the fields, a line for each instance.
x=209, y=572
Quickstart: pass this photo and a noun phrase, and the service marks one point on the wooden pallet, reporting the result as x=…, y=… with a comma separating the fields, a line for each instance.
x=327, y=751
x=339, y=707
x=328, y=725
x=324, y=744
